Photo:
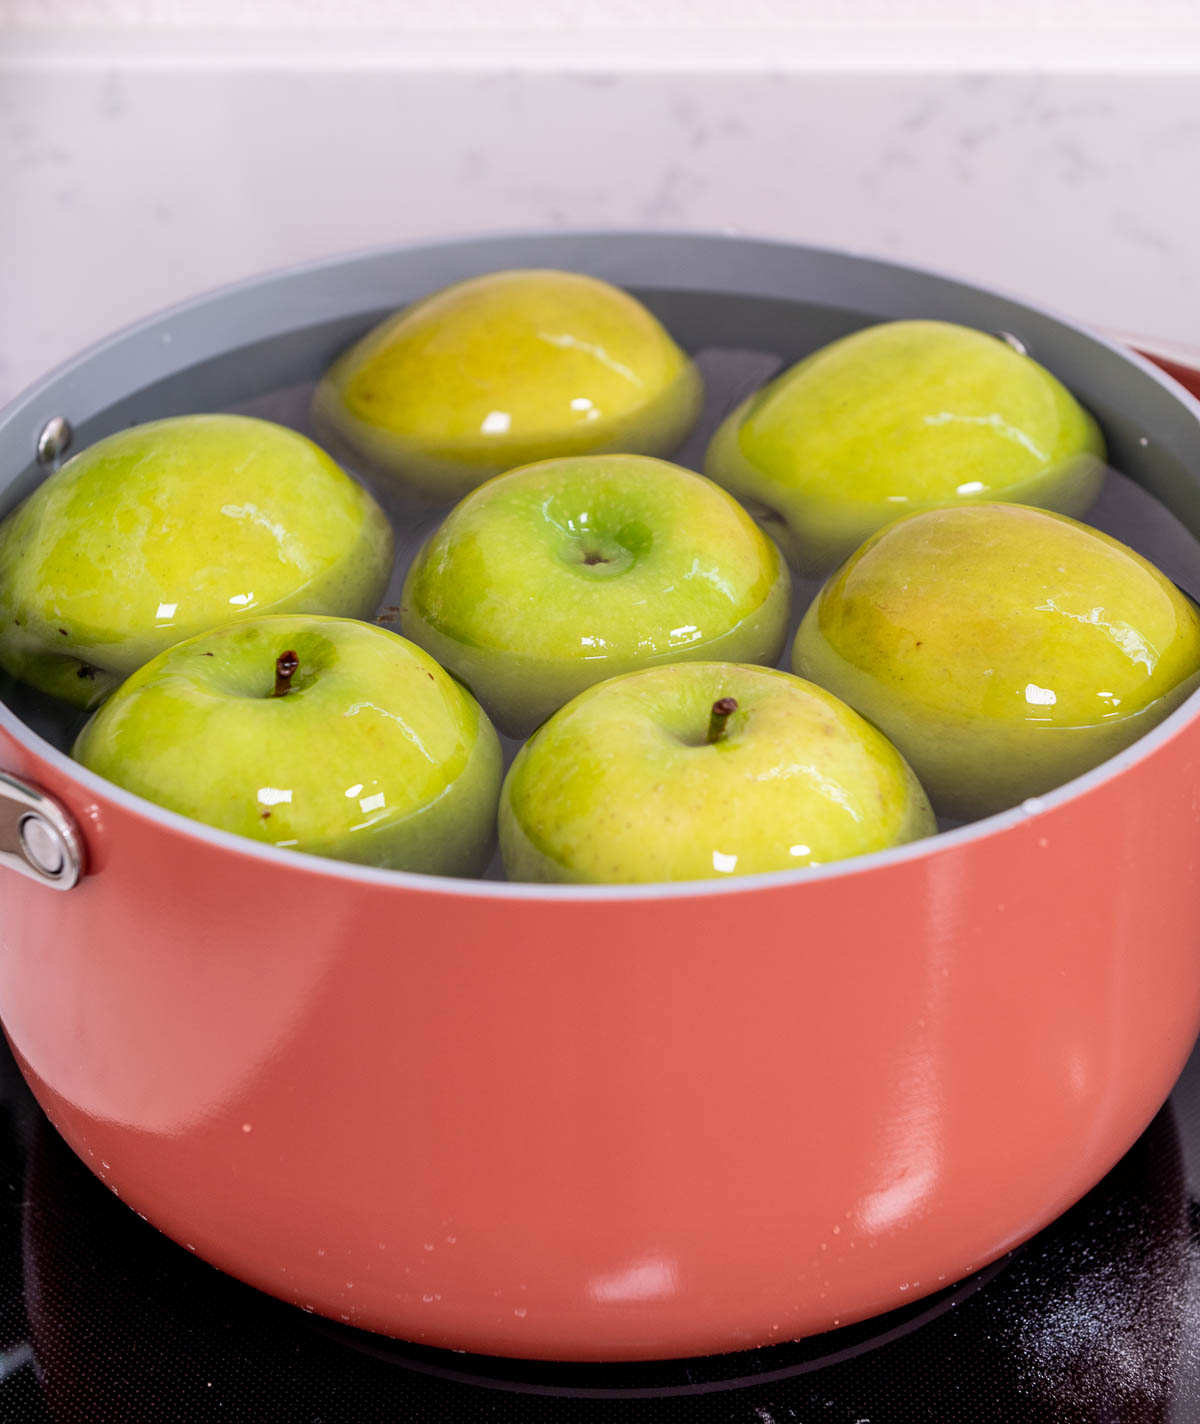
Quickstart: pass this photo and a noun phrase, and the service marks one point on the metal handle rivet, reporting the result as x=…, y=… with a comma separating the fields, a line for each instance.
x=54, y=441
x=42, y=845
x=38, y=835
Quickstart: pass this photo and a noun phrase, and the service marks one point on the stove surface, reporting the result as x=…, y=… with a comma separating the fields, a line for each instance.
x=103, y=1319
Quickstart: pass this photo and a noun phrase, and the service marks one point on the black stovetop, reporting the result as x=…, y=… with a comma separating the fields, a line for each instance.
x=102, y=1319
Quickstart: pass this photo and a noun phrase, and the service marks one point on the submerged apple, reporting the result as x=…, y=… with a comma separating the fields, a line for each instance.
x=896, y=418
x=1003, y=649
x=501, y=370
x=320, y=734
x=164, y=530
x=556, y=576
x=700, y=770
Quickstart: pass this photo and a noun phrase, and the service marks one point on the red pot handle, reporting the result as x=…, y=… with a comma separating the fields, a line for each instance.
x=1179, y=361
x=38, y=836
x=1187, y=376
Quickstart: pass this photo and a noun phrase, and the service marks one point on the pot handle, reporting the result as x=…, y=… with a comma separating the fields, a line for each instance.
x=38, y=836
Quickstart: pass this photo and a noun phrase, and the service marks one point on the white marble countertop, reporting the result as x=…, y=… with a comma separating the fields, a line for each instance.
x=133, y=175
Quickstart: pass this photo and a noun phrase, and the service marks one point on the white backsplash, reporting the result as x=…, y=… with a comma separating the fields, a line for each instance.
x=126, y=186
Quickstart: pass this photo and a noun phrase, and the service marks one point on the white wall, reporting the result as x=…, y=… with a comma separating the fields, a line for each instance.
x=141, y=162
x=932, y=25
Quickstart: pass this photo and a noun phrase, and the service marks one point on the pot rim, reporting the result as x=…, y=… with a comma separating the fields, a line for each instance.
x=944, y=842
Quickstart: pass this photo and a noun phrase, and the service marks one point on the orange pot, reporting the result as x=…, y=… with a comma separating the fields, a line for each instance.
x=612, y=1123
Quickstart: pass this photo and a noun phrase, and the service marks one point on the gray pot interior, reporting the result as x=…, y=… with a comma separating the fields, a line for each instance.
x=745, y=307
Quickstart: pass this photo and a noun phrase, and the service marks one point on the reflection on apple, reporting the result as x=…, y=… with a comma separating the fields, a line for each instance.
x=899, y=417
x=319, y=734
x=502, y=370
x=1003, y=649
x=700, y=770
x=167, y=529
x=553, y=577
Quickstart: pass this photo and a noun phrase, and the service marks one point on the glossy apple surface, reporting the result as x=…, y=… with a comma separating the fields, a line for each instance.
x=159, y=532
x=372, y=754
x=900, y=417
x=622, y=784
x=553, y=577
x=502, y=370
x=1003, y=649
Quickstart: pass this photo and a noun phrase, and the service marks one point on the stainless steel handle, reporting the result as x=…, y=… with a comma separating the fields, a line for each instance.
x=38, y=838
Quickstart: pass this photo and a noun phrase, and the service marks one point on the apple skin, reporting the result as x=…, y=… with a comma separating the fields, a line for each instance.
x=1003, y=649
x=375, y=755
x=500, y=371
x=899, y=417
x=620, y=785
x=503, y=593
x=161, y=531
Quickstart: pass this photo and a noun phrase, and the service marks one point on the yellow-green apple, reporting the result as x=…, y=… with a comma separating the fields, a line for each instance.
x=563, y=573
x=896, y=418
x=502, y=370
x=161, y=531
x=701, y=770
x=1003, y=649
x=325, y=735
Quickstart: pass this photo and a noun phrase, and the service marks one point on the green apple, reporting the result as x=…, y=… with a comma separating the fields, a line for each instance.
x=900, y=417
x=553, y=577
x=163, y=530
x=1003, y=649
x=323, y=734
x=702, y=770
x=502, y=370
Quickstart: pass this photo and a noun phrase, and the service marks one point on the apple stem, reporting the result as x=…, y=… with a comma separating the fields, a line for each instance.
x=722, y=709
x=285, y=669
